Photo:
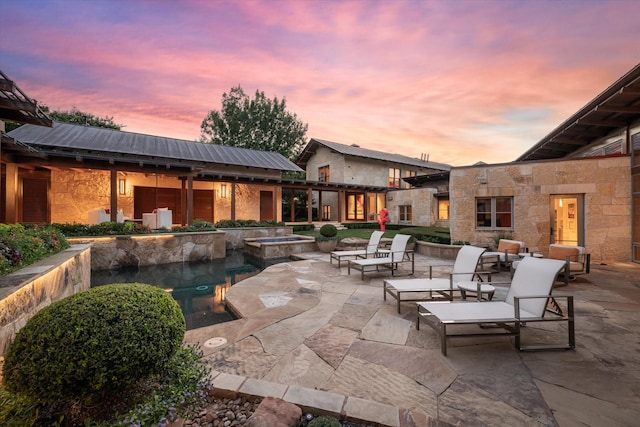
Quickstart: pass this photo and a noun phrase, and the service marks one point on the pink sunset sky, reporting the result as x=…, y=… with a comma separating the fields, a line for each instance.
x=460, y=80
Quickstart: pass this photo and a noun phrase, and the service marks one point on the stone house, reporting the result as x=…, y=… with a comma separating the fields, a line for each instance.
x=58, y=174
x=580, y=185
x=351, y=165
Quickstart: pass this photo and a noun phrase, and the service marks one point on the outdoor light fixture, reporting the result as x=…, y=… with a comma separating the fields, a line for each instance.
x=224, y=192
x=122, y=185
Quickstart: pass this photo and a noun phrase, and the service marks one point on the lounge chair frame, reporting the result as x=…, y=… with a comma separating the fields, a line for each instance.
x=371, y=250
x=511, y=325
x=424, y=289
x=387, y=260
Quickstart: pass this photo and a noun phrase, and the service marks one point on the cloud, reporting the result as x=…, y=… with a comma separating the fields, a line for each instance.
x=463, y=81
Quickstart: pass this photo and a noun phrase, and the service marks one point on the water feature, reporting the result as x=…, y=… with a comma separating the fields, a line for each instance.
x=200, y=288
x=279, y=247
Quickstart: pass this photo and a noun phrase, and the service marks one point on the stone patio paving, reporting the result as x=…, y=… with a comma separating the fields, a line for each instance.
x=310, y=326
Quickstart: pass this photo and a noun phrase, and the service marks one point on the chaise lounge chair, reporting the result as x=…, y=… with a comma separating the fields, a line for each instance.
x=464, y=270
x=396, y=255
x=371, y=250
x=526, y=302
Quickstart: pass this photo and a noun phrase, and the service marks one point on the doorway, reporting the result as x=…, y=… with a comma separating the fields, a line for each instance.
x=567, y=219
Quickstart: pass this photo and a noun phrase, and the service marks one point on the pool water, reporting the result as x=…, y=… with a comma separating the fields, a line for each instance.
x=200, y=288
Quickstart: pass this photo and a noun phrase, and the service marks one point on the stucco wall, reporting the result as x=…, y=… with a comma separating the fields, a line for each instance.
x=604, y=182
x=73, y=194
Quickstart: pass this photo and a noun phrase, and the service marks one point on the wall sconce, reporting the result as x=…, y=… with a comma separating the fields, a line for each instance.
x=483, y=180
x=122, y=186
x=224, y=191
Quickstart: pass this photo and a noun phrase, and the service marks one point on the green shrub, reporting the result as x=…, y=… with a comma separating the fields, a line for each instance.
x=229, y=223
x=302, y=227
x=24, y=244
x=94, y=343
x=324, y=421
x=102, y=229
x=429, y=234
x=328, y=230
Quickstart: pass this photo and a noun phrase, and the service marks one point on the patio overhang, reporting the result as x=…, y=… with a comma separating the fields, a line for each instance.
x=617, y=107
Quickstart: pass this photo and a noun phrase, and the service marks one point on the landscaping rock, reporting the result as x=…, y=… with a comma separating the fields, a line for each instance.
x=274, y=412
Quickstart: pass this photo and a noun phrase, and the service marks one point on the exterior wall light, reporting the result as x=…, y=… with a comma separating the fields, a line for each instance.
x=122, y=186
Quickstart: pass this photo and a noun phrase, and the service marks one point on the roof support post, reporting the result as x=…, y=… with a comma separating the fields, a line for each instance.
x=11, y=192
x=114, y=196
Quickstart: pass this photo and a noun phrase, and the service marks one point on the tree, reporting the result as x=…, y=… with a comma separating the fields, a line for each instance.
x=74, y=116
x=259, y=123
x=78, y=117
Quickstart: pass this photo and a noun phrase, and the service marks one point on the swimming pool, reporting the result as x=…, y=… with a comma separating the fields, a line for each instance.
x=200, y=288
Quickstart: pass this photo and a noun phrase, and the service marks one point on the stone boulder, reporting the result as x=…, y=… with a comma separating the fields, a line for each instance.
x=274, y=412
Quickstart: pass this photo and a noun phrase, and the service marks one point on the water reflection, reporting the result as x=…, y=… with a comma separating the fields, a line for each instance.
x=200, y=288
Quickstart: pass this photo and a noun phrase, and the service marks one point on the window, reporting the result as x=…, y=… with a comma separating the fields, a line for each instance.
x=408, y=174
x=394, y=178
x=443, y=208
x=404, y=213
x=494, y=212
x=323, y=174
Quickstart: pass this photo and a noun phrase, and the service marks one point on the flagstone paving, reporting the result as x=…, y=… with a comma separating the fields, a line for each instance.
x=312, y=334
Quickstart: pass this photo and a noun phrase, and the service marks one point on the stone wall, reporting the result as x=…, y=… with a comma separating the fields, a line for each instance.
x=604, y=183
x=423, y=205
x=74, y=193
x=122, y=251
x=25, y=292
x=234, y=237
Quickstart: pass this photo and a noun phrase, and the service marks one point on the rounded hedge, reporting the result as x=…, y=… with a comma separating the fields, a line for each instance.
x=328, y=230
x=94, y=343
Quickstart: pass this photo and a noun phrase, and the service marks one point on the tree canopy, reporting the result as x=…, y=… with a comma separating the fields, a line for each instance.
x=259, y=123
x=74, y=116
x=78, y=117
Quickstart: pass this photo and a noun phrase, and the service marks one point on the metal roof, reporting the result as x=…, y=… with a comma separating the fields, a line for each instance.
x=16, y=106
x=113, y=145
x=618, y=106
x=356, y=151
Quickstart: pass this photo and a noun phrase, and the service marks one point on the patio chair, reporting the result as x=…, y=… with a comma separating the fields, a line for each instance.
x=506, y=253
x=371, y=249
x=396, y=255
x=100, y=215
x=526, y=302
x=159, y=218
x=464, y=270
x=577, y=260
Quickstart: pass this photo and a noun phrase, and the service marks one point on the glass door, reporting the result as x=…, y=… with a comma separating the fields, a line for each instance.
x=567, y=219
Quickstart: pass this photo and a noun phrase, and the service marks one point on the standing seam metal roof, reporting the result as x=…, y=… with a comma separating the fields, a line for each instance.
x=356, y=151
x=110, y=142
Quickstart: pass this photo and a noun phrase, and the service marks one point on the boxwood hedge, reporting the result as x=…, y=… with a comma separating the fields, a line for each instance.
x=94, y=343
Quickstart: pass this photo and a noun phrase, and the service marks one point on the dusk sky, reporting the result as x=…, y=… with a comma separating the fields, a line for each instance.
x=460, y=80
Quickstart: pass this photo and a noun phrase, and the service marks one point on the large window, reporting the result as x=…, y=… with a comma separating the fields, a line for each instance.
x=408, y=174
x=404, y=214
x=494, y=212
x=394, y=178
x=323, y=174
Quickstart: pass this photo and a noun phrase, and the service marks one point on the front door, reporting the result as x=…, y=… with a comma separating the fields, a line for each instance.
x=567, y=219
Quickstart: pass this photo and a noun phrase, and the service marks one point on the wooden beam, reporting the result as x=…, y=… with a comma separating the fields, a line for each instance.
x=16, y=104
x=618, y=109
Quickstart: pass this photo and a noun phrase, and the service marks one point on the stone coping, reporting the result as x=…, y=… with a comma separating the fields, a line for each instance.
x=16, y=280
x=318, y=402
